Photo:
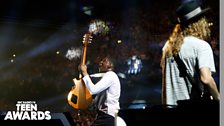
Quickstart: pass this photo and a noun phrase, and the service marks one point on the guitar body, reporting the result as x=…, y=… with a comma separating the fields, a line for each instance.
x=79, y=97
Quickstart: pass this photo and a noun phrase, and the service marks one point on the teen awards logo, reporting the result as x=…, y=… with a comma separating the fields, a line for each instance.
x=27, y=110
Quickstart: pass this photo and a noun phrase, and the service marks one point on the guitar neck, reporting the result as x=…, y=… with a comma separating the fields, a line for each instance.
x=86, y=40
x=84, y=49
x=83, y=58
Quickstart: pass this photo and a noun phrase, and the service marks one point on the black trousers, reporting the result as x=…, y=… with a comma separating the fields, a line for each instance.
x=103, y=119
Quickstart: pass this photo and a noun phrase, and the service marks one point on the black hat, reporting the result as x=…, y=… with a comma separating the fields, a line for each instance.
x=190, y=10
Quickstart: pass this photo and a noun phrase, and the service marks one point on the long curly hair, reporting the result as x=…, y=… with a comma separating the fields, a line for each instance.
x=199, y=29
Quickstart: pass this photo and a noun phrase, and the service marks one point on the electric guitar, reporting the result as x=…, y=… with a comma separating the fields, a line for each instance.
x=79, y=96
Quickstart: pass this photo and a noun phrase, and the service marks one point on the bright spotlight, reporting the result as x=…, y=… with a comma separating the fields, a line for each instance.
x=73, y=53
x=134, y=65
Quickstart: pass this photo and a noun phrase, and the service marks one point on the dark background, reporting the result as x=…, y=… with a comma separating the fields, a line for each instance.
x=35, y=36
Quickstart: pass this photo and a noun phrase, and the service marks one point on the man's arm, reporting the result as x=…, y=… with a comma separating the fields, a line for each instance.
x=101, y=85
x=207, y=79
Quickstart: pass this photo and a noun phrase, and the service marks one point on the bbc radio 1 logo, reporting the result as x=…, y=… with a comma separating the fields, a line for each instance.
x=27, y=110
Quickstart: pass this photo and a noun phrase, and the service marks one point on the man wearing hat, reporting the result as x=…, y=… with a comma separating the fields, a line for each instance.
x=187, y=44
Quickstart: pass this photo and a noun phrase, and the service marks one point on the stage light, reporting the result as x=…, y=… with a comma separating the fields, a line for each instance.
x=119, y=41
x=134, y=65
x=138, y=104
x=73, y=53
x=58, y=52
x=210, y=24
x=99, y=27
x=87, y=10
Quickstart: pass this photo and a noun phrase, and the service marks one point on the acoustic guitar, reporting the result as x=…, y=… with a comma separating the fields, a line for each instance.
x=79, y=96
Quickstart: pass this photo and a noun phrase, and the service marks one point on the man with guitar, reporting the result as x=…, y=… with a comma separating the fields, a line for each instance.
x=187, y=61
x=106, y=90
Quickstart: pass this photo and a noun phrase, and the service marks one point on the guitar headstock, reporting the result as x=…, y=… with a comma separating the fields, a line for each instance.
x=87, y=38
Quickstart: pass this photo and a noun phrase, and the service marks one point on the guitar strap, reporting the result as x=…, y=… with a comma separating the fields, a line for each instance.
x=96, y=77
x=197, y=90
x=99, y=75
